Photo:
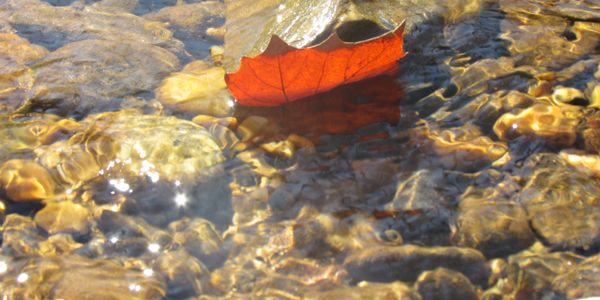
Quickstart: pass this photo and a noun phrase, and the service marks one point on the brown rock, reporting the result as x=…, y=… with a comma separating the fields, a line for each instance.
x=581, y=281
x=491, y=222
x=375, y=291
x=444, y=284
x=553, y=124
x=562, y=204
x=406, y=263
x=64, y=217
x=25, y=180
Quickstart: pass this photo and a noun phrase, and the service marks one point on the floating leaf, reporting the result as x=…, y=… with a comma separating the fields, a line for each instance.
x=283, y=73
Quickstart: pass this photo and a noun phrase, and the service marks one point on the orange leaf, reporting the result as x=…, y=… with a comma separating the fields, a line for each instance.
x=283, y=73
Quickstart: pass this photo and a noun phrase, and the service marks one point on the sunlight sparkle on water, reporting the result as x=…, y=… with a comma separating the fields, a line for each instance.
x=119, y=184
x=22, y=277
x=3, y=267
x=135, y=287
x=148, y=272
x=154, y=247
x=181, y=199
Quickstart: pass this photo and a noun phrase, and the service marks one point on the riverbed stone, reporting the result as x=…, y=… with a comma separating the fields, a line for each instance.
x=406, y=263
x=445, y=284
x=64, y=217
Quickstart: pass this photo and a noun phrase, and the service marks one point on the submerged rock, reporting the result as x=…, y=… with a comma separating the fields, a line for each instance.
x=552, y=124
x=189, y=23
x=201, y=239
x=197, y=89
x=25, y=180
x=64, y=217
x=16, y=51
x=562, y=205
x=444, y=284
x=54, y=26
x=69, y=277
x=406, y=263
x=530, y=275
x=491, y=222
x=375, y=291
x=580, y=281
x=186, y=276
x=92, y=75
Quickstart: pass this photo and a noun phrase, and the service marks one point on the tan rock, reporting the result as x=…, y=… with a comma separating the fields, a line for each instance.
x=64, y=217
x=553, y=124
x=15, y=50
x=197, y=90
x=26, y=180
x=563, y=94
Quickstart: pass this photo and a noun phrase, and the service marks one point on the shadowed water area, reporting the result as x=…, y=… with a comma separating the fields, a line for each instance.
x=128, y=171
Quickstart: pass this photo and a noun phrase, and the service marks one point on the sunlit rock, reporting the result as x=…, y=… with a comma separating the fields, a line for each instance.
x=17, y=51
x=22, y=134
x=583, y=162
x=463, y=148
x=488, y=220
x=251, y=127
x=566, y=94
x=59, y=244
x=64, y=217
x=93, y=75
x=406, y=263
x=595, y=96
x=541, y=36
x=189, y=23
x=54, y=26
x=562, y=205
x=497, y=104
x=25, y=180
x=442, y=283
x=148, y=146
x=530, y=275
x=72, y=163
x=581, y=281
x=197, y=89
x=423, y=203
x=553, y=124
x=20, y=236
x=201, y=239
x=375, y=291
x=69, y=277
x=186, y=276
x=207, y=121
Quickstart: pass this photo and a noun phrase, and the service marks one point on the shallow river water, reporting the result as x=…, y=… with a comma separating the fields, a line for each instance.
x=128, y=171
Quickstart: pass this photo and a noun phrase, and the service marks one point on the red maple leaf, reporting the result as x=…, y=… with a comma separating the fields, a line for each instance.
x=283, y=73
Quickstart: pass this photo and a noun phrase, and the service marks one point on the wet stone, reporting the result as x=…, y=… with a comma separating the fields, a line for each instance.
x=406, y=263
x=53, y=27
x=530, y=275
x=552, y=124
x=490, y=221
x=17, y=51
x=441, y=284
x=461, y=148
x=20, y=236
x=186, y=276
x=197, y=89
x=376, y=291
x=201, y=239
x=69, y=277
x=189, y=23
x=424, y=202
x=581, y=281
x=64, y=217
x=25, y=180
x=92, y=75
x=562, y=205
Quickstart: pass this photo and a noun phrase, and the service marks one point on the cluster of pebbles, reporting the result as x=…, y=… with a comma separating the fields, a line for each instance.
x=125, y=172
